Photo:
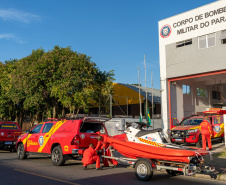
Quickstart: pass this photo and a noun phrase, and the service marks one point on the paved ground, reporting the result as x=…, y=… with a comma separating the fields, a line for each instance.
x=218, y=162
x=39, y=170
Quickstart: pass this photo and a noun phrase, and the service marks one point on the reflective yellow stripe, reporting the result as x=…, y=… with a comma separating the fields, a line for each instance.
x=50, y=133
x=193, y=128
x=150, y=142
x=26, y=138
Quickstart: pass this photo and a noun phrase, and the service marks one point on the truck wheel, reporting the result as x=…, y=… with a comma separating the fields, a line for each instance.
x=199, y=144
x=21, y=152
x=58, y=159
x=172, y=172
x=222, y=140
x=143, y=170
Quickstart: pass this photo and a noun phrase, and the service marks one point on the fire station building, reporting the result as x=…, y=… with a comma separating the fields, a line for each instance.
x=192, y=49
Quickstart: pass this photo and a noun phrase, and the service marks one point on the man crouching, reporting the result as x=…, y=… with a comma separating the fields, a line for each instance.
x=90, y=156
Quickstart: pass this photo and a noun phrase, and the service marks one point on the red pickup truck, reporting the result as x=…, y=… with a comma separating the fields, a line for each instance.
x=61, y=139
x=9, y=132
x=187, y=131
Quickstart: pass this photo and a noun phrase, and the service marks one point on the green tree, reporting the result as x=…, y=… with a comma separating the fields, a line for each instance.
x=46, y=84
x=30, y=84
x=8, y=109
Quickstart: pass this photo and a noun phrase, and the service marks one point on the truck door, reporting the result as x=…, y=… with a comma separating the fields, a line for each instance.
x=218, y=126
x=44, y=138
x=174, y=123
x=33, y=141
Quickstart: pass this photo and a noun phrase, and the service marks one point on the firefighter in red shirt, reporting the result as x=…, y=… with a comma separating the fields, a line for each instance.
x=90, y=156
x=103, y=145
x=206, y=131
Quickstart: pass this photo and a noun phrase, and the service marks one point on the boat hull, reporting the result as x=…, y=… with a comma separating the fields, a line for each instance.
x=137, y=150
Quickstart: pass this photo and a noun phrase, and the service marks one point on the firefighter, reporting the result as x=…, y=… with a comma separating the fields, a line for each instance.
x=103, y=148
x=90, y=156
x=206, y=131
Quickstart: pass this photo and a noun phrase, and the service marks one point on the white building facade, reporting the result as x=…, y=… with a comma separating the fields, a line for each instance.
x=192, y=49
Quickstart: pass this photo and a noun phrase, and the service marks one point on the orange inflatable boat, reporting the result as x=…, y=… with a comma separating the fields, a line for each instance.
x=149, y=144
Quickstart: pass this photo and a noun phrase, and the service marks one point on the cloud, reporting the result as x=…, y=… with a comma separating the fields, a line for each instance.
x=9, y=36
x=15, y=15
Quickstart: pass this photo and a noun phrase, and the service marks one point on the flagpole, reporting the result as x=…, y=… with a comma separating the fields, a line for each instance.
x=152, y=106
x=146, y=85
x=147, y=112
x=139, y=95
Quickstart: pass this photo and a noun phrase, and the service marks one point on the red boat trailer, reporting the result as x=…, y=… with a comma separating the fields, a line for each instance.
x=144, y=167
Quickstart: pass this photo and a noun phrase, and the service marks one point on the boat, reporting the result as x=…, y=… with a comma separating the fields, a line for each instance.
x=138, y=143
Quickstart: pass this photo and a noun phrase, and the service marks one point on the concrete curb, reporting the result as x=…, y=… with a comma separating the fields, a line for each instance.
x=221, y=177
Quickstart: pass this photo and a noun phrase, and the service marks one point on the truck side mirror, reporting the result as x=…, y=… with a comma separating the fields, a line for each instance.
x=27, y=131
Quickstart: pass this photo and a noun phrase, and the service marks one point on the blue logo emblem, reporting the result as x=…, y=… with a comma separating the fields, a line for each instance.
x=41, y=140
x=217, y=129
x=165, y=31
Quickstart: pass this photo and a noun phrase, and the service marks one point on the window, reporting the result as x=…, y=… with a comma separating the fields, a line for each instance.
x=211, y=40
x=87, y=127
x=192, y=121
x=218, y=119
x=202, y=93
x=202, y=42
x=36, y=129
x=47, y=127
x=216, y=95
x=186, y=89
x=8, y=126
x=223, y=37
x=207, y=41
x=184, y=43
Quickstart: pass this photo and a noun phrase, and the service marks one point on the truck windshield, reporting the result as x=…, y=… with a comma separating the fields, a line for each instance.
x=192, y=121
x=8, y=126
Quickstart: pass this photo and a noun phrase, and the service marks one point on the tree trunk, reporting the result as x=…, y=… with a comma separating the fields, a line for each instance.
x=63, y=112
x=54, y=111
x=77, y=113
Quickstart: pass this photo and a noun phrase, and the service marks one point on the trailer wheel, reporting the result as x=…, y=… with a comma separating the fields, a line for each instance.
x=199, y=144
x=143, y=170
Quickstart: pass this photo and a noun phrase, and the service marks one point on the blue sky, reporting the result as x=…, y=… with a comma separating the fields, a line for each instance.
x=115, y=33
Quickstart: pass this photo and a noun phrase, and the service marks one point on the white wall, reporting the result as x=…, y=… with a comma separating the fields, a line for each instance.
x=197, y=17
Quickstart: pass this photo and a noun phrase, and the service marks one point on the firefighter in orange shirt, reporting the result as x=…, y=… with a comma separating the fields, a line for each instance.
x=206, y=131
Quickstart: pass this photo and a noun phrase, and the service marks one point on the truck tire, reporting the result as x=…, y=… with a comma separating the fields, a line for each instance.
x=143, y=170
x=58, y=159
x=21, y=154
x=222, y=140
x=199, y=144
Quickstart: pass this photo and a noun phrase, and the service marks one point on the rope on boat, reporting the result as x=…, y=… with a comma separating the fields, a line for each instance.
x=211, y=157
x=198, y=154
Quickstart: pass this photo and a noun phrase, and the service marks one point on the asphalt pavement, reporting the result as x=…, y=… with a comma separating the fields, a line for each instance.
x=218, y=162
x=39, y=170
